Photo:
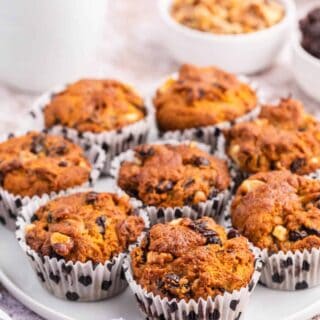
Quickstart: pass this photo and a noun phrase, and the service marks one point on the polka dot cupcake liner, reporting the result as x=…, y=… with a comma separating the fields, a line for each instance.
x=229, y=306
x=11, y=204
x=291, y=270
x=112, y=142
x=73, y=281
x=212, y=207
x=210, y=134
x=285, y=271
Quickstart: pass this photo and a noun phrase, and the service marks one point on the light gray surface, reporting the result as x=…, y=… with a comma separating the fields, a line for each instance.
x=132, y=51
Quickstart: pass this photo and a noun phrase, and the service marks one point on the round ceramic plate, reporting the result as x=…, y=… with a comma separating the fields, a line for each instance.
x=17, y=276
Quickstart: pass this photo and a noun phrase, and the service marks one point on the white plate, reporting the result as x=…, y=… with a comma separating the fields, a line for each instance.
x=17, y=276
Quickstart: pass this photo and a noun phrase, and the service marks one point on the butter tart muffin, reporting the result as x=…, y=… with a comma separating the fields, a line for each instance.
x=227, y=17
x=188, y=260
x=105, y=112
x=199, y=98
x=37, y=164
x=174, y=179
x=81, y=233
x=282, y=137
x=278, y=211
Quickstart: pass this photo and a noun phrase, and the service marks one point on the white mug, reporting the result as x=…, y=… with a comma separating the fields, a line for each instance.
x=47, y=42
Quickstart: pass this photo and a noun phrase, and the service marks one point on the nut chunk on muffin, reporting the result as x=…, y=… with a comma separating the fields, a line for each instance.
x=95, y=106
x=167, y=175
x=278, y=210
x=37, y=163
x=201, y=97
x=84, y=227
x=188, y=259
x=282, y=137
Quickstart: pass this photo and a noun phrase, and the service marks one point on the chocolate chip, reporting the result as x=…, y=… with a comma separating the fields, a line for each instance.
x=277, y=278
x=234, y=304
x=91, y=197
x=101, y=222
x=54, y=277
x=305, y=266
x=164, y=186
x=297, y=164
x=233, y=233
x=106, y=284
x=85, y=280
x=63, y=164
x=72, y=296
x=301, y=285
x=200, y=162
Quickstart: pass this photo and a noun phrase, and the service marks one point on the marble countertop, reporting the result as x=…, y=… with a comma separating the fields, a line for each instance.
x=133, y=51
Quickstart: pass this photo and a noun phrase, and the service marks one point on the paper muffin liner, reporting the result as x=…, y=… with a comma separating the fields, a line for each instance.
x=285, y=271
x=229, y=306
x=112, y=142
x=74, y=281
x=212, y=207
x=210, y=134
x=11, y=204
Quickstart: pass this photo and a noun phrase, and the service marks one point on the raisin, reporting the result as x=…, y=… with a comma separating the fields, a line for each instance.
x=101, y=222
x=297, y=235
x=61, y=150
x=311, y=231
x=188, y=200
x=91, y=197
x=63, y=163
x=211, y=236
x=233, y=233
x=37, y=144
x=189, y=182
x=164, y=186
x=200, y=162
x=297, y=164
x=49, y=217
x=145, y=152
x=171, y=280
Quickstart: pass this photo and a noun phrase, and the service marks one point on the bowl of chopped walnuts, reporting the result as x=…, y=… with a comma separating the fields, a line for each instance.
x=241, y=36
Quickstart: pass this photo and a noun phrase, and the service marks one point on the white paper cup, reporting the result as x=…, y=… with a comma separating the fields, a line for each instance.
x=212, y=207
x=73, y=281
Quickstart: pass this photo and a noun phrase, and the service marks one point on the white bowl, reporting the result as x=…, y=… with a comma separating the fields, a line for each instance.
x=243, y=53
x=306, y=69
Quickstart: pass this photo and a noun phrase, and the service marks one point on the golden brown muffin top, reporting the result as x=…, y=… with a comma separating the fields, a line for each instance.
x=84, y=226
x=38, y=163
x=227, y=16
x=201, y=97
x=278, y=210
x=188, y=259
x=95, y=106
x=282, y=137
x=167, y=175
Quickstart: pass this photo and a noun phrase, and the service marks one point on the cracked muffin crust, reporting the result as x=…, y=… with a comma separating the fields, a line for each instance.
x=282, y=137
x=278, y=210
x=38, y=163
x=227, y=17
x=165, y=175
x=187, y=259
x=201, y=97
x=84, y=226
x=95, y=106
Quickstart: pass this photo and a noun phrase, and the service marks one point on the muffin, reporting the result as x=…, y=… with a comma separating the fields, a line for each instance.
x=227, y=17
x=199, y=100
x=174, y=180
x=188, y=262
x=107, y=112
x=76, y=243
x=38, y=164
x=278, y=211
x=282, y=137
